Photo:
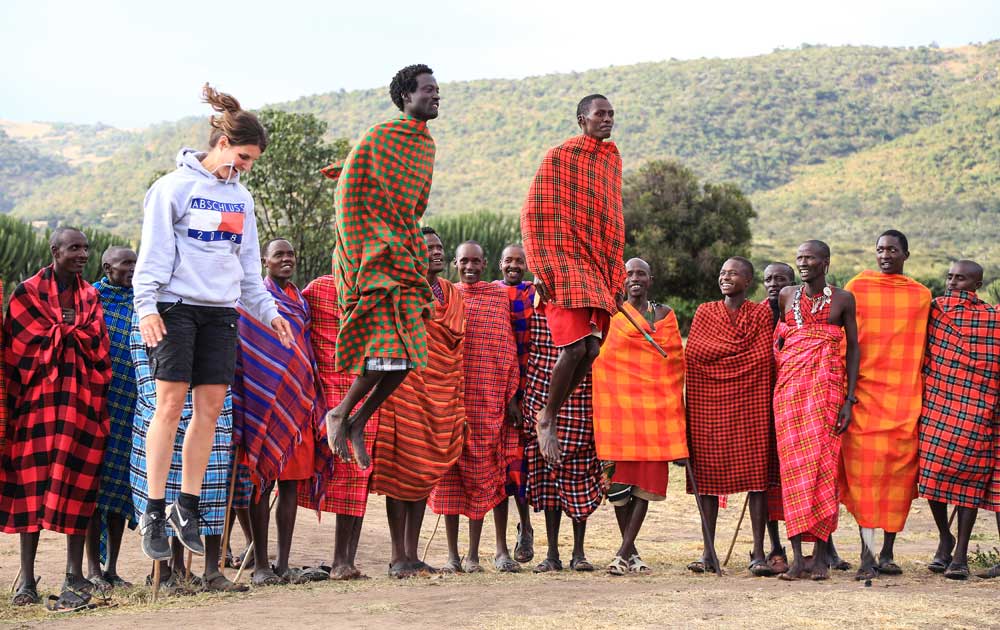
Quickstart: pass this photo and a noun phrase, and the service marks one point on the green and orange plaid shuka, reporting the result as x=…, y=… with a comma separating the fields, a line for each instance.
x=380, y=258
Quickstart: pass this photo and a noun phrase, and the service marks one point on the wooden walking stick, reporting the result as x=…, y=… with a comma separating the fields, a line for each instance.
x=17, y=578
x=714, y=559
x=226, y=526
x=431, y=539
x=156, y=580
x=649, y=338
x=737, y=532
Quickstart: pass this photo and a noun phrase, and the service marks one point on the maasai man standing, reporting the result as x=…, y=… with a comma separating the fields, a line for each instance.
x=878, y=474
x=576, y=484
x=57, y=364
x=214, y=485
x=574, y=238
x=114, y=498
x=639, y=410
x=958, y=418
x=422, y=425
x=277, y=413
x=380, y=259
x=475, y=484
x=777, y=276
x=729, y=388
x=346, y=492
x=813, y=401
x=522, y=305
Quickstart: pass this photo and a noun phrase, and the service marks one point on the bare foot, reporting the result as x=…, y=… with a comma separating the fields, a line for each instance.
x=341, y=572
x=795, y=571
x=820, y=568
x=357, y=437
x=337, y=428
x=548, y=441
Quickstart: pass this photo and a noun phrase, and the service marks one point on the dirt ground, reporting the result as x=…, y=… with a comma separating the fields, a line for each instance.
x=670, y=597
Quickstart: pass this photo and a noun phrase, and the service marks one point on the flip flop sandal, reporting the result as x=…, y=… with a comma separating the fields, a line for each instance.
x=219, y=583
x=937, y=565
x=419, y=566
x=842, y=565
x=100, y=583
x=452, y=568
x=548, y=565
x=890, y=568
x=698, y=566
x=27, y=595
x=238, y=561
x=957, y=572
x=636, y=565
x=315, y=574
x=581, y=565
x=506, y=566
x=70, y=600
x=524, y=548
x=265, y=578
x=472, y=567
x=618, y=567
x=866, y=574
x=292, y=576
x=760, y=568
x=116, y=581
x=989, y=574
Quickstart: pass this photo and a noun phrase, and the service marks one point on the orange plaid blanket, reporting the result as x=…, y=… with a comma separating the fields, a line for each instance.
x=639, y=395
x=878, y=468
x=573, y=227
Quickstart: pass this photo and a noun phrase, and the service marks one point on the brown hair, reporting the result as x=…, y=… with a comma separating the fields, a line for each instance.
x=237, y=124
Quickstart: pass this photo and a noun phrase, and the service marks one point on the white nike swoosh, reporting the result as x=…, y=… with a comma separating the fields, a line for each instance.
x=184, y=523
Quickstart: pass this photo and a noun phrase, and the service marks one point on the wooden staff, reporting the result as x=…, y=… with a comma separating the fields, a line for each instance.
x=226, y=528
x=739, y=523
x=431, y=539
x=714, y=559
x=156, y=580
x=649, y=338
x=17, y=578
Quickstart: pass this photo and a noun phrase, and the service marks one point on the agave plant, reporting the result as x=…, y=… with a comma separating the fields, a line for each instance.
x=492, y=230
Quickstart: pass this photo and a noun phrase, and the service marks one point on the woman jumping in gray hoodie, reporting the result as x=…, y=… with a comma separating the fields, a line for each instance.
x=199, y=254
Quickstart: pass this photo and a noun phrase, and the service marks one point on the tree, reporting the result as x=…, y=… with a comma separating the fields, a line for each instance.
x=683, y=228
x=293, y=199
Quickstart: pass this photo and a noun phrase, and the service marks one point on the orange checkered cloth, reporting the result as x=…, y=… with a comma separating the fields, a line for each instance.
x=380, y=258
x=878, y=468
x=475, y=484
x=572, y=224
x=422, y=425
x=347, y=487
x=639, y=395
x=729, y=390
x=808, y=395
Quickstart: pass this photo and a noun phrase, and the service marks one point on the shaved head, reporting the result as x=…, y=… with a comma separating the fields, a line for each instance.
x=632, y=263
x=113, y=253
x=747, y=265
x=970, y=268
x=59, y=233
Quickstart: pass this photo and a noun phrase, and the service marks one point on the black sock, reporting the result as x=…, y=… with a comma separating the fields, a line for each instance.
x=156, y=506
x=188, y=501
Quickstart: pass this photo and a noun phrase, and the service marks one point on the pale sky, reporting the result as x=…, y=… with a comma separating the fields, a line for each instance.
x=130, y=64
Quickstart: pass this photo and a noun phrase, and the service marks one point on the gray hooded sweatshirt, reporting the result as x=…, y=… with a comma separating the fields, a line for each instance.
x=199, y=243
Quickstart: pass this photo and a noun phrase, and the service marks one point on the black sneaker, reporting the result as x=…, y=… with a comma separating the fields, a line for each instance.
x=153, y=528
x=185, y=525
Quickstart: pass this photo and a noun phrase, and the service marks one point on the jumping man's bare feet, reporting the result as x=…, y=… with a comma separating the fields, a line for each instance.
x=357, y=437
x=338, y=427
x=548, y=440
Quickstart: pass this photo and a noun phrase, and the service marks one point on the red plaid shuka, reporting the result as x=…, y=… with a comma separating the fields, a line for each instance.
x=347, y=488
x=573, y=227
x=729, y=390
x=775, y=512
x=959, y=415
x=3, y=389
x=422, y=425
x=575, y=486
x=57, y=377
x=475, y=484
x=808, y=395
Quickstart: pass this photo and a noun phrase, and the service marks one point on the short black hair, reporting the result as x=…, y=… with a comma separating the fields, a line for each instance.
x=778, y=263
x=57, y=234
x=746, y=263
x=823, y=247
x=405, y=82
x=897, y=235
x=471, y=242
x=425, y=230
x=267, y=245
x=583, y=107
x=977, y=269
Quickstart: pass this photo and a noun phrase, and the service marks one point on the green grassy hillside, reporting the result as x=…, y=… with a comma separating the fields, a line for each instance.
x=835, y=142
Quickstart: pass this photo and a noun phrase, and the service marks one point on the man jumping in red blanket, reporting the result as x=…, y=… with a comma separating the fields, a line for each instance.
x=574, y=238
x=58, y=367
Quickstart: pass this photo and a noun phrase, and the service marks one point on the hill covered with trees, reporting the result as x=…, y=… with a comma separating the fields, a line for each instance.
x=830, y=142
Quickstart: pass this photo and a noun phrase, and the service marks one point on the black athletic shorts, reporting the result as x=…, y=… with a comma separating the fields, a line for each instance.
x=199, y=347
